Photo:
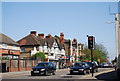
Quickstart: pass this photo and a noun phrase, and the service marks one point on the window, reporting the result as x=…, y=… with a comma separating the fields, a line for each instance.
x=15, y=47
x=55, y=45
x=52, y=54
x=50, y=64
x=22, y=49
x=4, y=45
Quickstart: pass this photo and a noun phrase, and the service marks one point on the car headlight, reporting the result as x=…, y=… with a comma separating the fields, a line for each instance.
x=69, y=68
x=42, y=69
x=90, y=67
x=81, y=69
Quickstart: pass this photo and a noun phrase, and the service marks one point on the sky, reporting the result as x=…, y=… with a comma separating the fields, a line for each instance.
x=74, y=19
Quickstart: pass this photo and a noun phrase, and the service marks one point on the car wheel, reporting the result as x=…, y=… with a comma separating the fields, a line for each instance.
x=96, y=70
x=84, y=72
x=46, y=73
x=71, y=72
x=32, y=74
x=88, y=72
x=54, y=72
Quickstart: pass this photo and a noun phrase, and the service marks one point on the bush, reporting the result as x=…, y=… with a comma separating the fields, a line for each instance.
x=41, y=55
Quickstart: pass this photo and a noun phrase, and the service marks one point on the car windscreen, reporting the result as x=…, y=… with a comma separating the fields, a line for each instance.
x=79, y=65
x=42, y=64
x=89, y=63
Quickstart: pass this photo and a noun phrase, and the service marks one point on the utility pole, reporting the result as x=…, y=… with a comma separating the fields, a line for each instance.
x=117, y=26
x=117, y=21
x=71, y=51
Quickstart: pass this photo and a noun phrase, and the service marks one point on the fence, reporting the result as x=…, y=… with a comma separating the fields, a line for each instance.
x=19, y=65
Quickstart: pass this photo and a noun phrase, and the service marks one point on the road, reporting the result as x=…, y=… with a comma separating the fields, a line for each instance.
x=60, y=74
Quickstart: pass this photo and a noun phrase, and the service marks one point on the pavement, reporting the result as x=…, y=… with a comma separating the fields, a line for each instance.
x=105, y=75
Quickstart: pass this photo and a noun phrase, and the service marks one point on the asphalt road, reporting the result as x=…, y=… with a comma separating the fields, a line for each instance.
x=60, y=74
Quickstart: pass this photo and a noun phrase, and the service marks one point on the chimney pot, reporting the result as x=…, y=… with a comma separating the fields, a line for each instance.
x=33, y=32
x=41, y=35
x=61, y=34
x=49, y=36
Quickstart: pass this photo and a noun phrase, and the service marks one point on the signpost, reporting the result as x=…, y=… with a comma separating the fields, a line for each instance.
x=91, y=46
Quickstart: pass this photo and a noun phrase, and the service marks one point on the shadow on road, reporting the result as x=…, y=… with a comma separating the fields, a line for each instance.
x=107, y=76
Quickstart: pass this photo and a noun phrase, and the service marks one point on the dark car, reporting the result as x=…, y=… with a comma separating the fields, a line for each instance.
x=95, y=66
x=106, y=65
x=81, y=67
x=44, y=68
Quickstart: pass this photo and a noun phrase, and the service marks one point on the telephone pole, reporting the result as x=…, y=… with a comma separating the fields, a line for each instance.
x=117, y=21
x=117, y=27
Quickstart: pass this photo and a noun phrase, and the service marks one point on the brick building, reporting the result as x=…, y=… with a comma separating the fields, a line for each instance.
x=8, y=47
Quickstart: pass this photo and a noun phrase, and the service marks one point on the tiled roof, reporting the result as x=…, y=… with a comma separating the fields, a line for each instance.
x=7, y=40
x=58, y=40
x=30, y=40
x=49, y=41
x=41, y=40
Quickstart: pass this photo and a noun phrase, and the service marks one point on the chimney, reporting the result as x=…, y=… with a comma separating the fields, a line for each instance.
x=75, y=40
x=61, y=34
x=41, y=35
x=33, y=33
x=61, y=37
x=49, y=36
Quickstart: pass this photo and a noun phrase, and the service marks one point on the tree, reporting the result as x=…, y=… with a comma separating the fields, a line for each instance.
x=100, y=52
x=40, y=54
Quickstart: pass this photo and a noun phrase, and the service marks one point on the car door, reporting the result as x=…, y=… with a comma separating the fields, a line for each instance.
x=50, y=68
x=87, y=66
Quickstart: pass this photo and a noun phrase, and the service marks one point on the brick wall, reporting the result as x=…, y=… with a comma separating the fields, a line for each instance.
x=19, y=65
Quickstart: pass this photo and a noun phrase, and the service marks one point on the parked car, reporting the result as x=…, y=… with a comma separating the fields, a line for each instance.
x=95, y=66
x=81, y=67
x=106, y=65
x=43, y=68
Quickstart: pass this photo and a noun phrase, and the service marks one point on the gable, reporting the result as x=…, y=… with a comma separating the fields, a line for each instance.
x=55, y=44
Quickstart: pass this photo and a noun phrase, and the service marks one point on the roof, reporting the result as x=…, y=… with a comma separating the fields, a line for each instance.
x=49, y=41
x=36, y=40
x=41, y=41
x=7, y=40
x=30, y=40
x=58, y=40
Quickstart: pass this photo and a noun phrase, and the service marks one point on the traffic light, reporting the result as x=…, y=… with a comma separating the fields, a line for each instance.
x=91, y=42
